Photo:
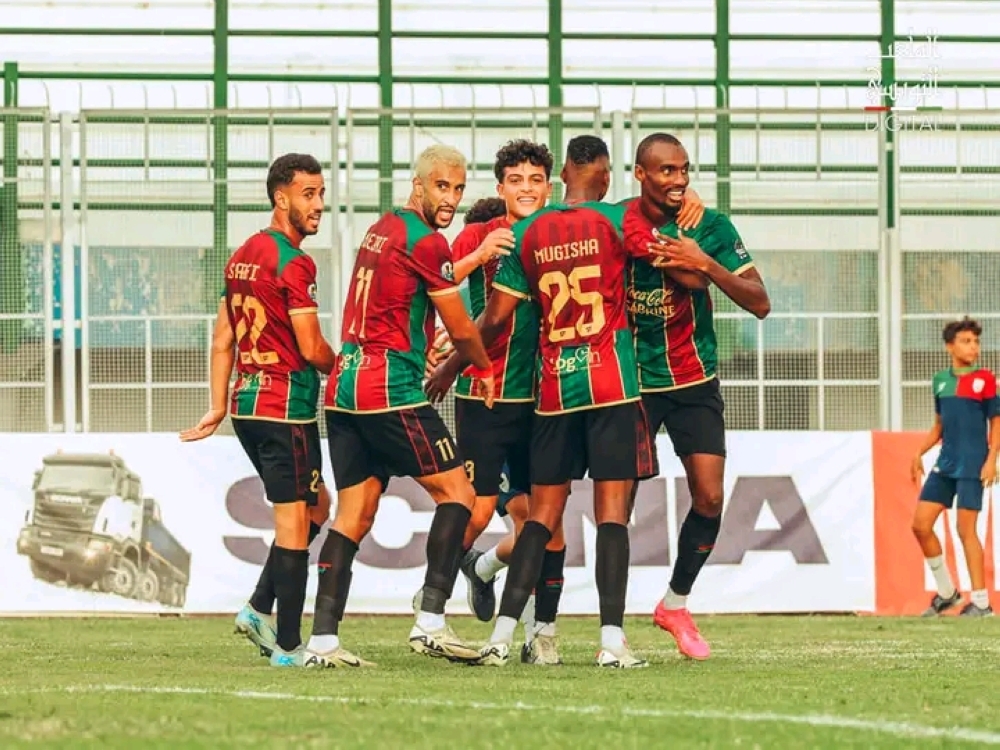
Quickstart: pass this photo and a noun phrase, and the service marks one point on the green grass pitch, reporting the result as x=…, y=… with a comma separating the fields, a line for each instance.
x=797, y=682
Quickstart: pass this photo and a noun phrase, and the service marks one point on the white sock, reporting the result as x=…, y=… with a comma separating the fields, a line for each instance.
x=674, y=601
x=547, y=629
x=323, y=644
x=429, y=622
x=981, y=598
x=489, y=565
x=503, y=631
x=942, y=577
x=612, y=638
x=528, y=618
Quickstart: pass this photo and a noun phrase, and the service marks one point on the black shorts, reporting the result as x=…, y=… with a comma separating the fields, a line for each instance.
x=693, y=417
x=607, y=442
x=288, y=457
x=403, y=443
x=489, y=438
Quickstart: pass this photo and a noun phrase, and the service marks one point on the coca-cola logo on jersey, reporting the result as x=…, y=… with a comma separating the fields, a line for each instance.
x=652, y=534
x=654, y=302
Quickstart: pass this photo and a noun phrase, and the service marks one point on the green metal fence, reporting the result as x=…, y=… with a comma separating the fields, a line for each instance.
x=859, y=292
x=868, y=236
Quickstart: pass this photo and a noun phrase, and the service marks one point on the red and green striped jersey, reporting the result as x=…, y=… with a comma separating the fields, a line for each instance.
x=389, y=318
x=965, y=400
x=675, y=336
x=268, y=280
x=572, y=260
x=513, y=353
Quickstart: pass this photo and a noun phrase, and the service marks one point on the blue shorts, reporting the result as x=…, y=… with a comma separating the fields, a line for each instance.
x=507, y=493
x=944, y=490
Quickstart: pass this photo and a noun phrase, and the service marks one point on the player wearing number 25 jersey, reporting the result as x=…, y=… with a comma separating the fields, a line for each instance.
x=589, y=417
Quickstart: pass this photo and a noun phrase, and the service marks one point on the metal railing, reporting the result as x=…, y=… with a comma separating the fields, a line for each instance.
x=865, y=257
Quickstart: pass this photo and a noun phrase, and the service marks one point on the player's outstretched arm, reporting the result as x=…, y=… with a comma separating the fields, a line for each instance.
x=221, y=369
x=309, y=338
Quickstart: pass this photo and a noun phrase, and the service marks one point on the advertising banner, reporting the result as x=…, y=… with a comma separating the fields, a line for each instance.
x=144, y=523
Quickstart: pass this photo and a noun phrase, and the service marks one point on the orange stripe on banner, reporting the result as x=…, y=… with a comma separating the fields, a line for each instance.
x=899, y=563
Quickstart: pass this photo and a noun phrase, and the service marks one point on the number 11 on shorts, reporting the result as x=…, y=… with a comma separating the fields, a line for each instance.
x=446, y=449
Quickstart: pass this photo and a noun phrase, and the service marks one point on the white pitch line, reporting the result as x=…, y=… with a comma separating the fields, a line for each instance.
x=895, y=728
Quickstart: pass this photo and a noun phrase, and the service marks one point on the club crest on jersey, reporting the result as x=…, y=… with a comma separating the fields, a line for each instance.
x=311, y=291
x=448, y=270
x=741, y=251
x=977, y=385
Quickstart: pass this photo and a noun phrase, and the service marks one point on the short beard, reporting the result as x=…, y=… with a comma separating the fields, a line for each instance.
x=297, y=219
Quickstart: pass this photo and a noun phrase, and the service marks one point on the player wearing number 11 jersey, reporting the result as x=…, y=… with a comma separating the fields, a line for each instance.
x=267, y=322
x=379, y=422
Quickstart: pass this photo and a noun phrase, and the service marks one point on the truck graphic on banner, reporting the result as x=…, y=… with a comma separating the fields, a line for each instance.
x=90, y=526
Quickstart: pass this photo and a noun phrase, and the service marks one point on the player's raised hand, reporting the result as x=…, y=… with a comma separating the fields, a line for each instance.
x=498, y=242
x=692, y=210
x=917, y=469
x=205, y=427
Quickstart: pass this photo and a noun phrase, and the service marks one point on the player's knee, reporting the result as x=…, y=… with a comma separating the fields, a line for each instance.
x=291, y=525
x=450, y=487
x=320, y=512
x=708, y=503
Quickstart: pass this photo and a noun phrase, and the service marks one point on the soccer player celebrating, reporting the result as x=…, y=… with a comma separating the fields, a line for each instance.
x=379, y=422
x=588, y=415
x=676, y=349
x=967, y=424
x=269, y=314
x=491, y=439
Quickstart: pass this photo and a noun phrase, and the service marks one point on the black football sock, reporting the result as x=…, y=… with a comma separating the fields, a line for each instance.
x=611, y=572
x=548, y=588
x=695, y=543
x=263, y=597
x=444, y=553
x=525, y=567
x=291, y=573
x=334, y=583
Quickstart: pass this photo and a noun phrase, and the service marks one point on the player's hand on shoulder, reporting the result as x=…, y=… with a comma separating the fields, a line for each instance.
x=498, y=242
x=917, y=469
x=692, y=210
x=205, y=427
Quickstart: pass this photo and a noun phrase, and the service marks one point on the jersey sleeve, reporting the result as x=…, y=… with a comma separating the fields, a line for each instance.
x=727, y=247
x=510, y=276
x=467, y=242
x=431, y=260
x=298, y=279
x=991, y=404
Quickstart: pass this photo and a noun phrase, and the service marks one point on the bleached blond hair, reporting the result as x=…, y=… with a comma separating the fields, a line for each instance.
x=438, y=155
